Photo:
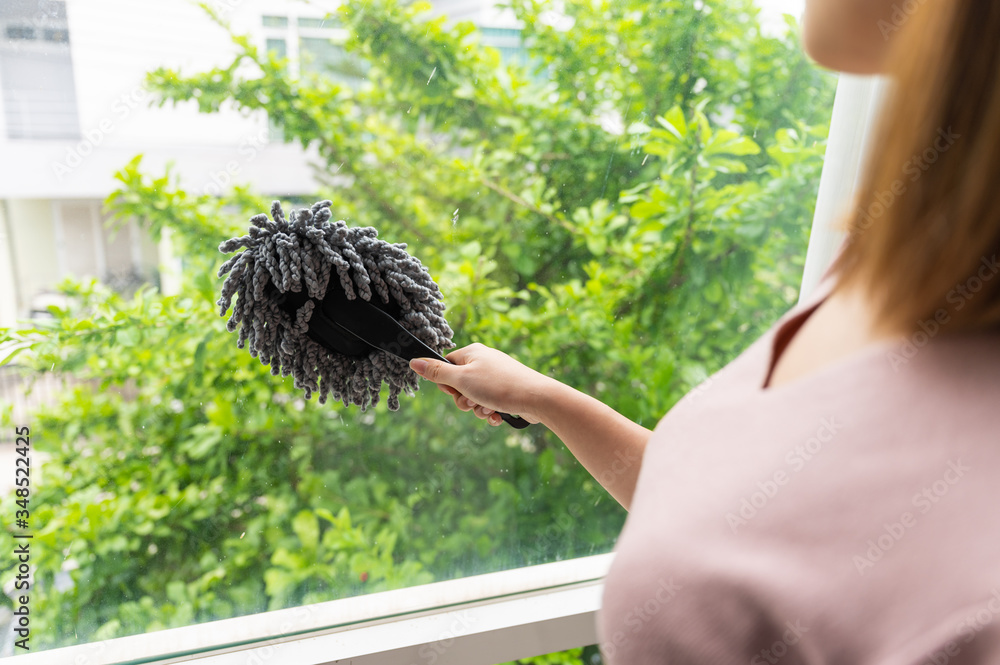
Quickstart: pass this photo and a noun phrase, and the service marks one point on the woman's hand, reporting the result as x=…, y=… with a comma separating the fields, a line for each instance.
x=485, y=381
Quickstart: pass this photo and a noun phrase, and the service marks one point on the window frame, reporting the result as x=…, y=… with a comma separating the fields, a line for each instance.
x=483, y=619
x=852, y=123
x=292, y=33
x=39, y=46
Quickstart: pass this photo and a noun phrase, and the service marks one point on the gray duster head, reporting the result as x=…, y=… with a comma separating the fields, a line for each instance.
x=308, y=252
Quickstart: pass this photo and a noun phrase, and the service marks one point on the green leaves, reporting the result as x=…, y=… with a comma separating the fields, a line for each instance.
x=306, y=527
x=723, y=144
x=685, y=144
x=625, y=212
x=675, y=125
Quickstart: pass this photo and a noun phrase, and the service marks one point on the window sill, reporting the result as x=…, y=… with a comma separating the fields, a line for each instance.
x=479, y=620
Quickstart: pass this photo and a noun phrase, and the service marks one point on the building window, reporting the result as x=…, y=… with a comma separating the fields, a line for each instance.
x=20, y=32
x=60, y=36
x=279, y=47
x=36, y=72
x=275, y=21
x=508, y=42
x=324, y=56
x=313, y=45
x=308, y=22
x=86, y=247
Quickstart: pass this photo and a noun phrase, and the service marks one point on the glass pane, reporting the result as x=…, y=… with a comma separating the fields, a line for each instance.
x=618, y=195
x=20, y=32
x=508, y=42
x=57, y=35
x=36, y=72
x=324, y=56
x=275, y=21
x=278, y=47
x=318, y=22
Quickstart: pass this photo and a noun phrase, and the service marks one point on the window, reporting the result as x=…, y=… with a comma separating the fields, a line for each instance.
x=275, y=21
x=86, y=248
x=319, y=55
x=571, y=211
x=57, y=35
x=20, y=32
x=507, y=41
x=277, y=46
x=318, y=47
x=309, y=22
x=36, y=71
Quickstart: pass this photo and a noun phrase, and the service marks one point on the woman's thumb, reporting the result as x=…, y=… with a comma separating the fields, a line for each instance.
x=432, y=370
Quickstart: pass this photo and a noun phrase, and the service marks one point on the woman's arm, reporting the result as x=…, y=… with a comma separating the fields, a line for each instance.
x=609, y=445
x=485, y=380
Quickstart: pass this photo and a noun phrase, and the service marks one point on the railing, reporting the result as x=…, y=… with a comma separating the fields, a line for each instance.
x=27, y=393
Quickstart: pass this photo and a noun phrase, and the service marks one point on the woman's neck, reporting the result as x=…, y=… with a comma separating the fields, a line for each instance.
x=843, y=324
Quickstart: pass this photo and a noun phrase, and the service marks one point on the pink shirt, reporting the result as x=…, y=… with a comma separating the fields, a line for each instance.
x=851, y=516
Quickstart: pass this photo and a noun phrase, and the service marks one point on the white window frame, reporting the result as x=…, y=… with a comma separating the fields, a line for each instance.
x=293, y=32
x=855, y=110
x=479, y=620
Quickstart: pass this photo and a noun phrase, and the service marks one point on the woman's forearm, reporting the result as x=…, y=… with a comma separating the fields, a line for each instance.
x=485, y=380
x=609, y=445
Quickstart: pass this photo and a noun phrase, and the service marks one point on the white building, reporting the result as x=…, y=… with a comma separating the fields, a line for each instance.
x=73, y=111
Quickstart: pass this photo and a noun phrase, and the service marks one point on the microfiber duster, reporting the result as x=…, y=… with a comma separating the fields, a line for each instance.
x=336, y=307
x=305, y=252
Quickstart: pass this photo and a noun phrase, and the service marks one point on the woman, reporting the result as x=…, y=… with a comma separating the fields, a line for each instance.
x=829, y=497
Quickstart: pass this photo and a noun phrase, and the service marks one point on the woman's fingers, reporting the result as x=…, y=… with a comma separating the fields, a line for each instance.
x=489, y=415
x=466, y=404
x=481, y=412
x=448, y=390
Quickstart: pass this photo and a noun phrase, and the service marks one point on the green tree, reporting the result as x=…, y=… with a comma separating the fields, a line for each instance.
x=625, y=214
